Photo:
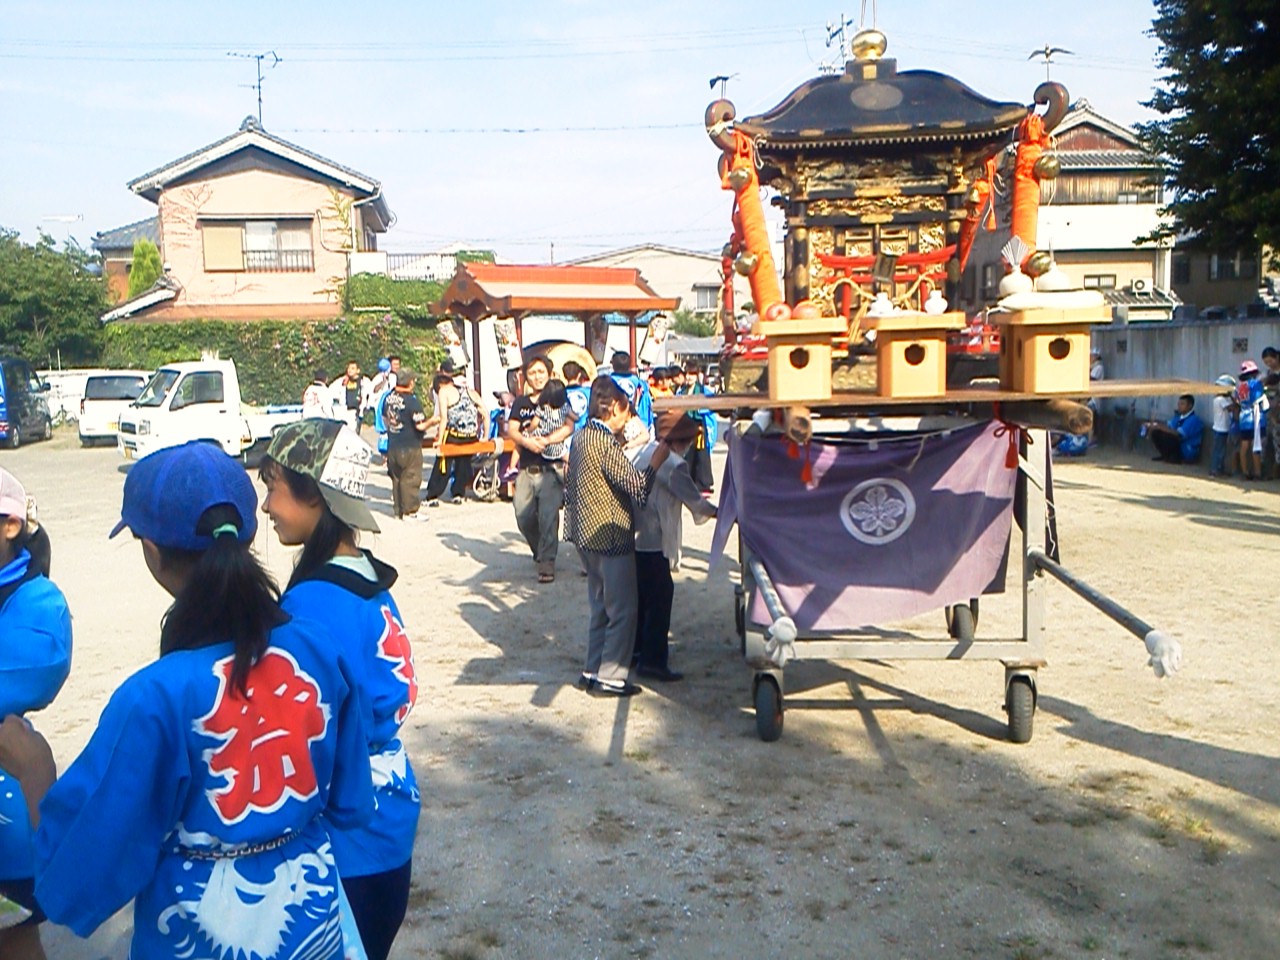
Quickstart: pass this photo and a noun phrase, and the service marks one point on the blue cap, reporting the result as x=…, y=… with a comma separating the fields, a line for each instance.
x=384, y=365
x=167, y=492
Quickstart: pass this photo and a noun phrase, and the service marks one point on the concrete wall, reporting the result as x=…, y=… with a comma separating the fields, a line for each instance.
x=1180, y=349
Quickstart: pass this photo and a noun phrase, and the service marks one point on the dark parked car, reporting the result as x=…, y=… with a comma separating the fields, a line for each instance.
x=24, y=411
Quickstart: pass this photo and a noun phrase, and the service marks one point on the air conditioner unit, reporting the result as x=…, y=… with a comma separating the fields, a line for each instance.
x=1140, y=285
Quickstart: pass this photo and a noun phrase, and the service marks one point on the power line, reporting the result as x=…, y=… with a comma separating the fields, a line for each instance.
x=437, y=131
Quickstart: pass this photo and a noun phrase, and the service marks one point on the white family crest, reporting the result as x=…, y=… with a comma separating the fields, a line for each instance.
x=878, y=511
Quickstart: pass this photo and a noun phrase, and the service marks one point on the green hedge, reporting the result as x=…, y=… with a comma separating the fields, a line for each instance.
x=275, y=359
x=409, y=300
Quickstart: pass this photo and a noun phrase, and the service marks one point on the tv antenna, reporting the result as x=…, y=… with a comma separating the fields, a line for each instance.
x=1048, y=53
x=837, y=30
x=259, y=57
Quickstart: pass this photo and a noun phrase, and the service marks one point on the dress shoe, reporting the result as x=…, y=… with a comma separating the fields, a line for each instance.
x=663, y=674
x=614, y=688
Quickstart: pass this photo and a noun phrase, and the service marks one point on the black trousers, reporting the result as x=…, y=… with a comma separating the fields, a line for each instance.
x=698, y=456
x=656, y=591
x=457, y=468
x=1168, y=445
x=378, y=904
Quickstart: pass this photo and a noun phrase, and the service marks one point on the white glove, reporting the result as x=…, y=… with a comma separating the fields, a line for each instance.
x=1166, y=654
x=779, y=644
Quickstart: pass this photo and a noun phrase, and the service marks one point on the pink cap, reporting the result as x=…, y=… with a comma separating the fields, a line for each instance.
x=1248, y=366
x=13, y=497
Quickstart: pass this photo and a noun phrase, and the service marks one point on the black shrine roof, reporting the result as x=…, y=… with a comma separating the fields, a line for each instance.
x=871, y=103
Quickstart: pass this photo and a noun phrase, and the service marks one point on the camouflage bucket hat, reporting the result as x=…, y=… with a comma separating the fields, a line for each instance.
x=332, y=454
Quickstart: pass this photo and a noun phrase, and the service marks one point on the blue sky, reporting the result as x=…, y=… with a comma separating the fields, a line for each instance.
x=417, y=95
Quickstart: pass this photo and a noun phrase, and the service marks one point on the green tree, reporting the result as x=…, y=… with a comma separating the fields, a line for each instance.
x=1218, y=143
x=50, y=300
x=146, y=267
x=690, y=324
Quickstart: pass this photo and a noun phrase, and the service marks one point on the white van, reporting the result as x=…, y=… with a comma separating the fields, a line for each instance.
x=105, y=397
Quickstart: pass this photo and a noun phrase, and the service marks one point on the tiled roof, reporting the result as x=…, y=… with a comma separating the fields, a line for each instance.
x=251, y=134
x=250, y=126
x=508, y=290
x=122, y=238
x=1127, y=298
x=646, y=247
x=1104, y=159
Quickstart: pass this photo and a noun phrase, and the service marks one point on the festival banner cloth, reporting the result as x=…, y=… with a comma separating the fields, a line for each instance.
x=881, y=532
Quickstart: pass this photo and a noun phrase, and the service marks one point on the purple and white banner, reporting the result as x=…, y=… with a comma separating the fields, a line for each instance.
x=881, y=532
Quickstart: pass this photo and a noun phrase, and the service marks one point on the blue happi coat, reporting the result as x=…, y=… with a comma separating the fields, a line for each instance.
x=35, y=658
x=211, y=809
x=366, y=626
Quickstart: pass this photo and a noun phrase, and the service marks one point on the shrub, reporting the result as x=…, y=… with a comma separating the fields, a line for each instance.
x=409, y=300
x=275, y=359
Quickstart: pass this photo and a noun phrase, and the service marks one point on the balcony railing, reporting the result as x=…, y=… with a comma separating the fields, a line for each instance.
x=278, y=261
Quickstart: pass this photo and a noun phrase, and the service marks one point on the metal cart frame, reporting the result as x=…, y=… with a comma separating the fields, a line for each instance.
x=1021, y=656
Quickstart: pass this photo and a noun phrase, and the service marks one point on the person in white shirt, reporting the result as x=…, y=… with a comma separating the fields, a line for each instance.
x=1223, y=421
x=352, y=393
x=317, y=399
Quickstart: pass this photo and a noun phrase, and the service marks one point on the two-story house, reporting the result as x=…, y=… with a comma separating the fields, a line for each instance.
x=253, y=227
x=1093, y=214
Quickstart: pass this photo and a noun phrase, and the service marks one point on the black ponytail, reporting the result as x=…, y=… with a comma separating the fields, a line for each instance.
x=228, y=596
x=330, y=533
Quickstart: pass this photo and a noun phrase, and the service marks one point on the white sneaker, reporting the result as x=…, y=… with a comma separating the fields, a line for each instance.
x=420, y=517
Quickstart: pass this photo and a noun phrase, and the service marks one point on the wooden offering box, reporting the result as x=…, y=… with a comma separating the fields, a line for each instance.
x=800, y=357
x=911, y=353
x=1046, y=350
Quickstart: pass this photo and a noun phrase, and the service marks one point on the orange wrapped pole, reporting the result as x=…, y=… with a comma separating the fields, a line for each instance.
x=981, y=212
x=1032, y=140
x=738, y=173
x=757, y=260
x=1032, y=165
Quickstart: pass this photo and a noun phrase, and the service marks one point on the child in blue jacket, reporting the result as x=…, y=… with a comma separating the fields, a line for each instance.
x=207, y=792
x=35, y=658
x=315, y=472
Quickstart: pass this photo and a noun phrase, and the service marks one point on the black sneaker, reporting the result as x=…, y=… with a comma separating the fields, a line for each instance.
x=585, y=682
x=614, y=688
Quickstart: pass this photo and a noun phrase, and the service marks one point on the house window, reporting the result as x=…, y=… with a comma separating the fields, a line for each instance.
x=1100, y=281
x=277, y=245
x=258, y=246
x=706, y=298
x=1225, y=266
x=1181, y=270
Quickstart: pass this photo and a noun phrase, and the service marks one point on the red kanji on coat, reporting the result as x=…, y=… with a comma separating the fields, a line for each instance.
x=265, y=755
x=394, y=647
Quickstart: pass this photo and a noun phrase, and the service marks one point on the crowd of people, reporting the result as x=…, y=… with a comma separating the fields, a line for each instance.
x=1245, y=439
x=249, y=789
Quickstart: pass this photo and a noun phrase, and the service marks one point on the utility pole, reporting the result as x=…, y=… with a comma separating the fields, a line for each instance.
x=553, y=253
x=259, y=57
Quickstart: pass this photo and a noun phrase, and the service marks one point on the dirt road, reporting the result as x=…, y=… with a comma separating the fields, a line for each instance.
x=891, y=820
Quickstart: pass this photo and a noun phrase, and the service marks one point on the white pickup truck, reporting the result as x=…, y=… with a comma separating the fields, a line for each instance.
x=198, y=400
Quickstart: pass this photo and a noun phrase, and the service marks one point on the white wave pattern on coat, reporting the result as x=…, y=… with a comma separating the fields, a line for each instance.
x=244, y=920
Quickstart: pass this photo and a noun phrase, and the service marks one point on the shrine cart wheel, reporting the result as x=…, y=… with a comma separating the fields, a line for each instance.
x=768, y=709
x=1020, y=703
x=962, y=620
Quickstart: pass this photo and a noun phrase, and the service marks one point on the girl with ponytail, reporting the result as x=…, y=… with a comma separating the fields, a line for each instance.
x=315, y=472
x=208, y=790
